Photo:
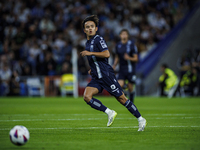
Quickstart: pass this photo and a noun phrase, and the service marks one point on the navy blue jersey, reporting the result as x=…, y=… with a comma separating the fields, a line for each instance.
x=130, y=49
x=99, y=66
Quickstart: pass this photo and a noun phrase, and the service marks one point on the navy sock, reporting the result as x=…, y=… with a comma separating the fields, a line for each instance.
x=132, y=96
x=96, y=104
x=132, y=108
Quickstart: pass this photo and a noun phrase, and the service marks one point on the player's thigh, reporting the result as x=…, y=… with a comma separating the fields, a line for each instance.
x=89, y=92
x=121, y=78
x=121, y=82
x=110, y=84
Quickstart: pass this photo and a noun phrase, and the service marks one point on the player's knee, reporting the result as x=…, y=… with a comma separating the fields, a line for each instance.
x=87, y=97
x=122, y=99
x=130, y=88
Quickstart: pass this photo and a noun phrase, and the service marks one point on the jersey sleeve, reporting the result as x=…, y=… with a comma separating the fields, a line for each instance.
x=134, y=49
x=101, y=44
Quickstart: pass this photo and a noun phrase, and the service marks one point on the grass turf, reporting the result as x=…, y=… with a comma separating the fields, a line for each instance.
x=70, y=124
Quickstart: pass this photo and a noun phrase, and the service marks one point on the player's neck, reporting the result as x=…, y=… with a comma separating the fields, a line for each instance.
x=124, y=41
x=89, y=37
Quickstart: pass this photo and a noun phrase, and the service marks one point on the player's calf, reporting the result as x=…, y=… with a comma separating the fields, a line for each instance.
x=122, y=99
x=133, y=109
x=96, y=104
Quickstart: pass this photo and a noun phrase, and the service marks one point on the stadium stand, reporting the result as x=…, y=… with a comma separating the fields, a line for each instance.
x=181, y=54
x=37, y=36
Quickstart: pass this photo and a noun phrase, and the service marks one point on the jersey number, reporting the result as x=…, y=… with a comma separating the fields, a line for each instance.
x=103, y=44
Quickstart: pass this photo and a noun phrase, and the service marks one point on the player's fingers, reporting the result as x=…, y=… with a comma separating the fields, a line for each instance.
x=82, y=54
x=89, y=72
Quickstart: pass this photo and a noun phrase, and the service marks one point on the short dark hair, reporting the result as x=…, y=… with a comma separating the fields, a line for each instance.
x=93, y=18
x=124, y=30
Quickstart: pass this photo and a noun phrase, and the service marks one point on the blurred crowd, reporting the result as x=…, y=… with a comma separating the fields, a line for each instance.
x=187, y=80
x=38, y=36
x=189, y=71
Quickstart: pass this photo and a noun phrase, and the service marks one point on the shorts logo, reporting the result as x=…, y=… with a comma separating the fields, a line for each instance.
x=113, y=87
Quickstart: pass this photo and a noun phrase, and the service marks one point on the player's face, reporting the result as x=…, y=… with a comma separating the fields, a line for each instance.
x=124, y=36
x=90, y=28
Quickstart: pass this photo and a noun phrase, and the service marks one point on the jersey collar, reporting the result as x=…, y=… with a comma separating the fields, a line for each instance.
x=92, y=38
x=125, y=43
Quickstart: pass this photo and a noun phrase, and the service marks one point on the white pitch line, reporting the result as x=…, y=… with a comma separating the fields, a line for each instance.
x=175, y=118
x=51, y=119
x=165, y=118
x=14, y=115
x=77, y=119
x=171, y=114
x=86, y=128
x=92, y=114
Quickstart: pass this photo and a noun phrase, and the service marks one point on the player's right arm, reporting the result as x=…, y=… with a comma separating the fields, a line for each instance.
x=116, y=61
x=103, y=54
x=134, y=58
x=89, y=72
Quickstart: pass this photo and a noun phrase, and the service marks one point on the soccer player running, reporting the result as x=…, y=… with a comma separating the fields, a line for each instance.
x=126, y=56
x=102, y=73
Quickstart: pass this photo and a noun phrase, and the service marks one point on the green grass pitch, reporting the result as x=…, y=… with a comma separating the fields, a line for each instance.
x=70, y=124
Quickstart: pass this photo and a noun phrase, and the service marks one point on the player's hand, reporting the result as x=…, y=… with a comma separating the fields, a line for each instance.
x=126, y=56
x=85, y=53
x=114, y=66
x=89, y=72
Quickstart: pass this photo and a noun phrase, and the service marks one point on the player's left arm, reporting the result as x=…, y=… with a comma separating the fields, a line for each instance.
x=103, y=54
x=134, y=57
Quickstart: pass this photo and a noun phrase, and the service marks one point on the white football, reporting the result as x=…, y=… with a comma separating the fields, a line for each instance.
x=19, y=135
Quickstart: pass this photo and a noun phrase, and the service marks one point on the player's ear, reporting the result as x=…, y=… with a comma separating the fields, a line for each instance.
x=96, y=28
